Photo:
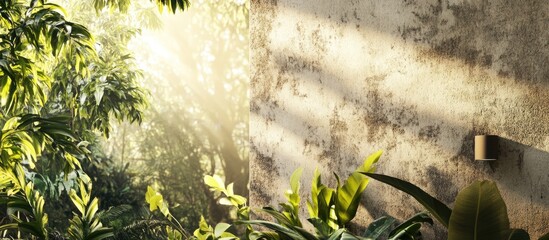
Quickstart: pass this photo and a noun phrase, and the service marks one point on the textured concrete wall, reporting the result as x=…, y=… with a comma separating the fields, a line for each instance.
x=333, y=81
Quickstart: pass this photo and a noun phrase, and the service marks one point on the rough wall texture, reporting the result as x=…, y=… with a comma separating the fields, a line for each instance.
x=333, y=81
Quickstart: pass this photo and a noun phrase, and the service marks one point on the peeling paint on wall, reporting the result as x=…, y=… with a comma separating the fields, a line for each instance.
x=332, y=82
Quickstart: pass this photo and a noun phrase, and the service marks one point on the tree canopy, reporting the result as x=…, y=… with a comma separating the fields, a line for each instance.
x=68, y=80
x=58, y=90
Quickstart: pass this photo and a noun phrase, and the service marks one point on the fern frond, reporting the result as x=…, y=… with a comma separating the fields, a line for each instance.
x=114, y=213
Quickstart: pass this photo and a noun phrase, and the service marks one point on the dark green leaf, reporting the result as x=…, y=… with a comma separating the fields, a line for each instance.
x=438, y=209
x=322, y=228
x=409, y=232
x=278, y=216
x=418, y=218
x=479, y=213
x=337, y=234
x=378, y=227
x=518, y=234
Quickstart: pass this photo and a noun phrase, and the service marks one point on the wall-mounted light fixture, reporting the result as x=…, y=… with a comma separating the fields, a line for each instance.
x=486, y=147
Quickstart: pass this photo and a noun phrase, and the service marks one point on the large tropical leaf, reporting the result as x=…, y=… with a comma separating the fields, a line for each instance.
x=518, y=234
x=438, y=209
x=479, y=213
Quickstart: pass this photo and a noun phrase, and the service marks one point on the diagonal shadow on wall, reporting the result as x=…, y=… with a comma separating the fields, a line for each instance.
x=485, y=36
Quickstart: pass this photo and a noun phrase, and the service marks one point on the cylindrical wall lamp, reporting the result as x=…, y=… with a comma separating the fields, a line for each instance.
x=486, y=147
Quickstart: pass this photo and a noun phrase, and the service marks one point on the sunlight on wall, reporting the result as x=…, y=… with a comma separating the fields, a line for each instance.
x=334, y=83
x=408, y=79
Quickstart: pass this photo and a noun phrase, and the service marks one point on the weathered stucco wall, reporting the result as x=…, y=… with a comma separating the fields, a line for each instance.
x=333, y=81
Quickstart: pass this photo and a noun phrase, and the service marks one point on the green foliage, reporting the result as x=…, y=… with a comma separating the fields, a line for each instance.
x=479, y=211
x=23, y=139
x=156, y=202
x=438, y=209
x=123, y=5
x=288, y=225
x=332, y=208
x=24, y=204
x=409, y=229
x=229, y=198
x=291, y=209
x=185, y=129
x=45, y=62
x=378, y=227
x=322, y=215
x=207, y=232
x=173, y=5
x=30, y=33
x=109, y=92
x=347, y=197
x=86, y=224
x=519, y=234
x=216, y=184
x=204, y=231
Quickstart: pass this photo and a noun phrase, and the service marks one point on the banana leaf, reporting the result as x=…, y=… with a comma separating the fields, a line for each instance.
x=479, y=213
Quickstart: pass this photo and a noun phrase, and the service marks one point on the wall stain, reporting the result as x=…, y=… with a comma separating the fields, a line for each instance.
x=261, y=99
x=381, y=114
x=500, y=47
x=333, y=156
x=511, y=33
x=261, y=85
x=263, y=166
x=318, y=41
x=429, y=133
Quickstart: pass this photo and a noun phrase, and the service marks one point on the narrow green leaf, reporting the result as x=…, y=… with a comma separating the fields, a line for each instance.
x=173, y=5
x=337, y=234
x=438, y=209
x=8, y=226
x=378, y=227
x=349, y=236
x=325, y=201
x=409, y=232
x=281, y=218
x=322, y=228
x=101, y=233
x=294, y=180
x=348, y=197
x=287, y=232
x=418, y=218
